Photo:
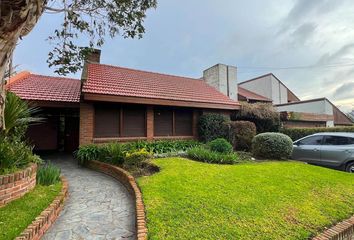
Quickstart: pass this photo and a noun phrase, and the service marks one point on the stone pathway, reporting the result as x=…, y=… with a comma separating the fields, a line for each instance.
x=98, y=206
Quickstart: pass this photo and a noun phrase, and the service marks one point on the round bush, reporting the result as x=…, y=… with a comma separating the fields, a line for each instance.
x=212, y=126
x=220, y=145
x=272, y=146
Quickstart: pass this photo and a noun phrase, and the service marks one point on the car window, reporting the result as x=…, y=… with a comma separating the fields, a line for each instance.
x=314, y=140
x=351, y=140
x=337, y=140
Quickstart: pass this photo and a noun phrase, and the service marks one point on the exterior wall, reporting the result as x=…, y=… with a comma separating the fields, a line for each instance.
x=223, y=78
x=321, y=107
x=87, y=114
x=268, y=86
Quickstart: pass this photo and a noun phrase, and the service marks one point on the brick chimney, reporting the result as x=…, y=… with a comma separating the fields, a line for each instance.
x=223, y=78
x=92, y=57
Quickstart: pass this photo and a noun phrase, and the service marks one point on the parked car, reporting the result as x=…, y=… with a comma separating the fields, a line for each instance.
x=334, y=150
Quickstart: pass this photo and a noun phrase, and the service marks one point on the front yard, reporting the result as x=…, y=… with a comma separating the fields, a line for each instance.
x=271, y=200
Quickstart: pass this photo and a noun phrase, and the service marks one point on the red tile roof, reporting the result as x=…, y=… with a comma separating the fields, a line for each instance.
x=251, y=95
x=45, y=88
x=118, y=81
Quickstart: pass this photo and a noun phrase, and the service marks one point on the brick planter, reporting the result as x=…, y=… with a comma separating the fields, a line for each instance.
x=42, y=223
x=129, y=182
x=15, y=185
x=342, y=231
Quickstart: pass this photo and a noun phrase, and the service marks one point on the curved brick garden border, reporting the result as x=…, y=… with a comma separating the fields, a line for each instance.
x=342, y=231
x=129, y=182
x=42, y=223
x=17, y=184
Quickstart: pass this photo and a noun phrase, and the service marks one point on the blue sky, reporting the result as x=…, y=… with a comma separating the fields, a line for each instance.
x=309, y=45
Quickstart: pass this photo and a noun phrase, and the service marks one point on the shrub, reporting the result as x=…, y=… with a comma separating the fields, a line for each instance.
x=15, y=155
x=220, y=145
x=136, y=158
x=113, y=153
x=48, y=174
x=162, y=146
x=272, y=146
x=297, y=133
x=205, y=155
x=241, y=134
x=89, y=152
x=263, y=115
x=212, y=126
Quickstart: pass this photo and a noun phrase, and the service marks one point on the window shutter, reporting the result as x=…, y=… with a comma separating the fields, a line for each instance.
x=107, y=121
x=163, y=122
x=134, y=121
x=184, y=122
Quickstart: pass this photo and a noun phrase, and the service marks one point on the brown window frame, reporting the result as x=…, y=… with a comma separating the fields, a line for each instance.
x=120, y=110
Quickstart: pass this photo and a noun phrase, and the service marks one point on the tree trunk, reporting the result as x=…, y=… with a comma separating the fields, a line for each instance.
x=17, y=18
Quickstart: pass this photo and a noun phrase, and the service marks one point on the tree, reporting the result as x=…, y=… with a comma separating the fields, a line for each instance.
x=92, y=18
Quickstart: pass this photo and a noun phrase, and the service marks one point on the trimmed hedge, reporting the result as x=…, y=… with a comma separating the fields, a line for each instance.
x=241, y=134
x=220, y=145
x=272, y=146
x=212, y=126
x=297, y=133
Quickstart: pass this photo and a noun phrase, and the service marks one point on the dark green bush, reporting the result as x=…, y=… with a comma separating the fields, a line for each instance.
x=212, y=126
x=297, y=133
x=136, y=158
x=263, y=115
x=113, y=153
x=15, y=155
x=241, y=134
x=272, y=146
x=205, y=155
x=220, y=145
x=48, y=174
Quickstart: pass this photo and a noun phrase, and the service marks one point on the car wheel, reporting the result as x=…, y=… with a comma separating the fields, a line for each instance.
x=350, y=167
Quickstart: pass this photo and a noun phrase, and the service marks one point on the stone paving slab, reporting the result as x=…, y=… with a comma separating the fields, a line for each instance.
x=98, y=207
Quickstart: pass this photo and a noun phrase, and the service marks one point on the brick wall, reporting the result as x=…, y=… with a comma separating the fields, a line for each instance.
x=86, y=123
x=129, y=182
x=15, y=185
x=45, y=220
x=150, y=122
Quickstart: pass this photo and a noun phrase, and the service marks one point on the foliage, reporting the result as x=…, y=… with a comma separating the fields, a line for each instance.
x=113, y=153
x=18, y=214
x=93, y=19
x=48, y=174
x=135, y=158
x=212, y=126
x=297, y=133
x=205, y=155
x=220, y=145
x=17, y=116
x=163, y=146
x=89, y=152
x=263, y=115
x=241, y=134
x=15, y=155
x=272, y=146
x=268, y=200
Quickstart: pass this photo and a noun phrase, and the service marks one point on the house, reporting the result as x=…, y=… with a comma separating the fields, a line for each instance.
x=113, y=103
x=319, y=112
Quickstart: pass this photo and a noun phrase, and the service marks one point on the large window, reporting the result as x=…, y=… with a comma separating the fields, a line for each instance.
x=120, y=121
x=173, y=122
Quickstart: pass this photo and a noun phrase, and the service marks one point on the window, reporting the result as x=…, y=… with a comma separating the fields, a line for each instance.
x=163, y=122
x=184, y=122
x=314, y=140
x=337, y=140
x=107, y=121
x=134, y=123
x=118, y=121
x=173, y=122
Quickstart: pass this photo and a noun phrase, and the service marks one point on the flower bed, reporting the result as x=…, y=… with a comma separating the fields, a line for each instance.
x=17, y=184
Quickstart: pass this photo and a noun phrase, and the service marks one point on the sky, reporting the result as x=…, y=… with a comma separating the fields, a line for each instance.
x=307, y=44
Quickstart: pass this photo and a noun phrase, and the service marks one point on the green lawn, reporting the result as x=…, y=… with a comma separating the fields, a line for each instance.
x=17, y=215
x=271, y=200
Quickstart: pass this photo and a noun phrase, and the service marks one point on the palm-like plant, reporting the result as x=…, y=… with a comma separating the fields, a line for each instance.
x=18, y=115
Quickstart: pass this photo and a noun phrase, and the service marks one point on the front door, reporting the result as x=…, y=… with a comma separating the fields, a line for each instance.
x=71, y=133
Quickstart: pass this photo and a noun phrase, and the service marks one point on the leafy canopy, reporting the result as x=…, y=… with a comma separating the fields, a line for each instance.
x=92, y=19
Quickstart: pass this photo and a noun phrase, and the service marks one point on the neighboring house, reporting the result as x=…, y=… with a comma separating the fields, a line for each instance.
x=120, y=104
x=319, y=112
